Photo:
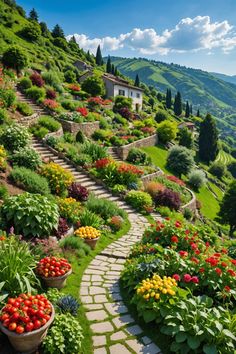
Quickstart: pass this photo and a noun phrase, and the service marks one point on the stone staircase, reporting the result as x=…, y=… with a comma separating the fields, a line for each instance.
x=113, y=153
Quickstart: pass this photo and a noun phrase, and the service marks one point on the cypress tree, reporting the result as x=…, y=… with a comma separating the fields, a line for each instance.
x=137, y=81
x=73, y=40
x=99, y=60
x=58, y=32
x=109, y=68
x=33, y=15
x=178, y=104
x=187, y=110
x=116, y=72
x=198, y=113
x=208, y=139
x=191, y=109
x=168, y=99
x=112, y=69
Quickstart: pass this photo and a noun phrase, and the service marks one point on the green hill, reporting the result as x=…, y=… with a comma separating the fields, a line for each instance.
x=202, y=89
x=227, y=78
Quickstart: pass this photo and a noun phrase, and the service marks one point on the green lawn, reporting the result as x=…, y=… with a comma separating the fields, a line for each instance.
x=73, y=282
x=158, y=155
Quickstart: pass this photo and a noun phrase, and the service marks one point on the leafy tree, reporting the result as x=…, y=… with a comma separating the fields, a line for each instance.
x=233, y=153
x=167, y=131
x=217, y=169
x=168, y=99
x=180, y=160
x=159, y=97
x=178, y=104
x=33, y=15
x=122, y=102
x=44, y=29
x=61, y=43
x=228, y=209
x=32, y=32
x=137, y=81
x=232, y=168
x=99, y=60
x=187, y=110
x=161, y=115
x=208, y=139
x=108, y=66
x=197, y=179
x=151, y=101
x=94, y=85
x=70, y=76
x=58, y=32
x=116, y=73
x=185, y=137
x=14, y=57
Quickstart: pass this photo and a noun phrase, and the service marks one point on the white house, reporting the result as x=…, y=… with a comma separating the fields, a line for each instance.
x=115, y=86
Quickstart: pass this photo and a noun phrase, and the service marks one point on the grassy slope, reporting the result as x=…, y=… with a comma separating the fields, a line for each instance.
x=210, y=205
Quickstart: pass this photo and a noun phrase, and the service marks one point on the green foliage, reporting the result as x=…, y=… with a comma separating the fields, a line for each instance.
x=197, y=179
x=24, y=108
x=180, y=160
x=3, y=191
x=29, y=180
x=14, y=57
x=77, y=244
x=15, y=137
x=103, y=207
x=58, y=32
x=99, y=60
x=137, y=156
x=185, y=138
x=7, y=97
x=70, y=76
x=161, y=115
x=139, y=200
x=50, y=123
x=167, y=131
x=61, y=43
x=232, y=168
x=208, y=139
x=96, y=152
x=178, y=104
x=17, y=266
x=38, y=131
x=30, y=214
x=3, y=116
x=122, y=102
x=80, y=138
x=217, y=169
x=88, y=218
x=68, y=304
x=36, y=93
x=64, y=336
x=227, y=208
x=93, y=85
x=26, y=157
x=31, y=32
x=25, y=83
x=51, y=78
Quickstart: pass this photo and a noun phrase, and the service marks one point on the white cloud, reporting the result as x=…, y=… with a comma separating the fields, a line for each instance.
x=189, y=34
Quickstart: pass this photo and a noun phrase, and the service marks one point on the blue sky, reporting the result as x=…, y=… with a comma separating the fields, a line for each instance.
x=195, y=33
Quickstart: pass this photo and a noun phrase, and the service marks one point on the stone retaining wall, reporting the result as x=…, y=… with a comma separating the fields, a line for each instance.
x=151, y=176
x=86, y=128
x=122, y=151
x=30, y=120
x=192, y=205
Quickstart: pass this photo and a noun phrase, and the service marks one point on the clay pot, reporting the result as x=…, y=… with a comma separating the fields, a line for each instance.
x=91, y=242
x=56, y=282
x=27, y=343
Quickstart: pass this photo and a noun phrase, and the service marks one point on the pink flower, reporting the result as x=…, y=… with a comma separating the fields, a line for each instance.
x=195, y=279
x=176, y=277
x=187, y=278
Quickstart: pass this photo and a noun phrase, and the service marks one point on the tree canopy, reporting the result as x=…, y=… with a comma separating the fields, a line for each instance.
x=208, y=139
x=228, y=208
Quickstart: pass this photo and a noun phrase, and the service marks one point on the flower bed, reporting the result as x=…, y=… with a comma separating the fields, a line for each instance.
x=176, y=272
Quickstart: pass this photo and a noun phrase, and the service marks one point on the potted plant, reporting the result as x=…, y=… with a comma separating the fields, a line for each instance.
x=54, y=271
x=89, y=234
x=25, y=320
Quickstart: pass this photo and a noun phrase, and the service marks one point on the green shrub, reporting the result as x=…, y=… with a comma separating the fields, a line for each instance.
x=96, y=152
x=14, y=57
x=36, y=93
x=7, y=97
x=217, y=169
x=188, y=214
x=31, y=31
x=50, y=123
x=29, y=180
x=30, y=214
x=101, y=134
x=68, y=105
x=70, y=76
x=88, y=218
x=137, y=156
x=103, y=207
x=77, y=244
x=80, y=138
x=197, y=179
x=3, y=191
x=24, y=108
x=17, y=265
x=51, y=78
x=3, y=116
x=26, y=157
x=25, y=84
x=94, y=85
x=139, y=200
x=64, y=336
x=167, y=131
x=15, y=137
x=38, y=131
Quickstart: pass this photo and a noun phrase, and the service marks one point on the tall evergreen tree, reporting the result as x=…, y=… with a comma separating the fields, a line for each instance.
x=99, y=60
x=198, y=113
x=73, y=40
x=187, y=110
x=108, y=67
x=178, y=104
x=168, y=99
x=33, y=15
x=112, y=69
x=116, y=73
x=58, y=32
x=191, y=109
x=137, y=81
x=208, y=139
x=44, y=29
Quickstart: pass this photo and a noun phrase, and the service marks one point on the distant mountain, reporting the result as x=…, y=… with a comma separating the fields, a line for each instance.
x=204, y=90
x=227, y=78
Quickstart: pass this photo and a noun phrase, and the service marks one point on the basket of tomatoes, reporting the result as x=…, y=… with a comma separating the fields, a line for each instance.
x=89, y=234
x=54, y=271
x=25, y=320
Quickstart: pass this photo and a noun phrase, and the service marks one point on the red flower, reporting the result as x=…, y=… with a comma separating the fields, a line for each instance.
x=201, y=270
x=74, y=87
x=187, y=278
x=233, y=261
x=195, y=260
x=174, y=239
x=224, y=264
x=197, y=251
x=176, y=180
x=207, y=244
x=183, y=253
x=83, y=111
x=176, y=277
x=227, y=288
x=195, y=279
x=193, y=245
x=218, y=271
x=225, y=251
x=187, y=232
x=178, y=224
x=231, y=272
x=217, y=255
x=102, y=163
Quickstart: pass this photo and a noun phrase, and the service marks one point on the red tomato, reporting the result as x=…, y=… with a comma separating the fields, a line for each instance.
x=43, y=321
x=29, y=327
x=20, y=329
x=15, y=316
x=37, y=324
x=12, y=326
x=6, y=322
x=4, y=317
x=40, y=314
x=11, y=301
x=47, y=317
x=27, y=302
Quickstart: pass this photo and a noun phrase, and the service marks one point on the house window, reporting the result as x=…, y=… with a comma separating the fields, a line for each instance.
x=121, y=92
x=138, y=95
x=131, y=94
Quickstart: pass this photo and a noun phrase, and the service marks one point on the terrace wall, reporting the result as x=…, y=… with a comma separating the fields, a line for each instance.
x=122, y=151
x=86, y=128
